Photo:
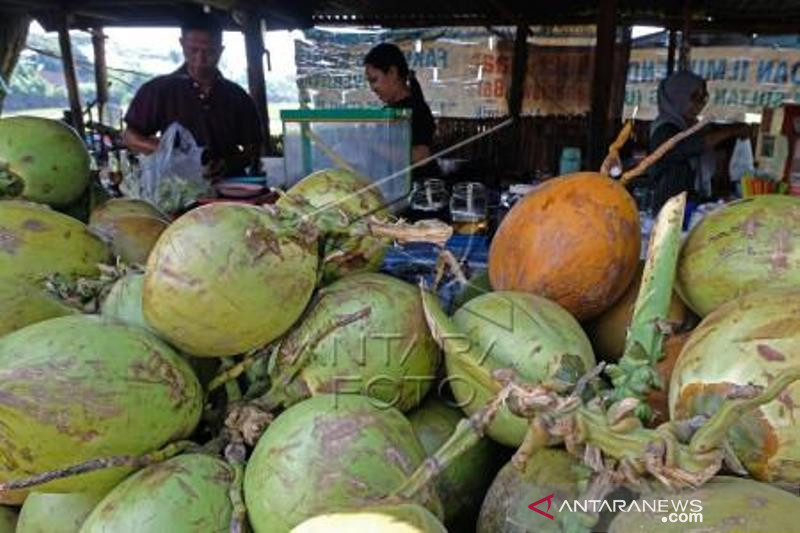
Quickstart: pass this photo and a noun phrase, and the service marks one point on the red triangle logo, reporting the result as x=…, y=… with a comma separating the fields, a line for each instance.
x=548, y=499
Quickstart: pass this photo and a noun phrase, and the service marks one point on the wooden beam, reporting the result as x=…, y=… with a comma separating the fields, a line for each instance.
x=673, y=41
x=70, y=78
x=601, y=82
x=685, y=59
x=254, y=49
x=100, y=71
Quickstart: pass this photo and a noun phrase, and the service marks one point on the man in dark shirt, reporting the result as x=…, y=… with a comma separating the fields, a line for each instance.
x=220, y=114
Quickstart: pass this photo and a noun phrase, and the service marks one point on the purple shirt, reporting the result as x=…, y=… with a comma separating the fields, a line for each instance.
x=221, y=121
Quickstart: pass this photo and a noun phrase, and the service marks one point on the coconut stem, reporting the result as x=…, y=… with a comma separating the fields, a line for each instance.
x=632, y=449
x=115, y=461
x=636, y=372
x=467, y=434
x=230, y=372
x=433, y=231
x=714, y=433
x=235, y=455
x=284, y=385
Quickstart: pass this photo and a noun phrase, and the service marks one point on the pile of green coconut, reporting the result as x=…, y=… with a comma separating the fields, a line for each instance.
x=250, y=368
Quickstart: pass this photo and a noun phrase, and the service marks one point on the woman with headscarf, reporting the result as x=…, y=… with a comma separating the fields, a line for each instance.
x=681, y=98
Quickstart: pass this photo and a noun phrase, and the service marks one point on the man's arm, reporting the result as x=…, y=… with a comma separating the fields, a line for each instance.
x=139, y=143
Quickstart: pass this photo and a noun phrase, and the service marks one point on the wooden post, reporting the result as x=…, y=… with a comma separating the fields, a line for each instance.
x=601, y=82
x=685, y=59
x=70, y=78
x=519, y=69
x=254, y=48
x=673, y=40
x=622, y=58
x=100, y=71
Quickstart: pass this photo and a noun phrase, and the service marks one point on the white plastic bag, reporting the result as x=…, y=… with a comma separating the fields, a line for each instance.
x=741, y=160
x=172, y=177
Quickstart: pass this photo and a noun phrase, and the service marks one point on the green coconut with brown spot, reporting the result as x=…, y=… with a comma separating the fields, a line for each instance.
x=463, y=484
x=42, y=160
x=23, y=303
x=56, y=513
x=548, y=471
x=124, y=303
x=745, y=246
x=726, y=505
x=363, y=334
x=401, y=518
x=226, y=278
x=36, y=241
x=745, y=342
x=131, y=227
x=185, y=494
x=8, y=520
x=82, y=387
x=343, y=190
x=326, y=454
x=531, y=335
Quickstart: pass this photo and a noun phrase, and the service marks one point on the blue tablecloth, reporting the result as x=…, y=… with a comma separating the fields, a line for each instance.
x=417, y=261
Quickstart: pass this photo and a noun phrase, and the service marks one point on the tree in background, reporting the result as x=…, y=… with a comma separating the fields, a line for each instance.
x=13, y=34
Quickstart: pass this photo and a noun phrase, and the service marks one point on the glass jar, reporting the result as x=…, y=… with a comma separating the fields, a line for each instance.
x=431, y=196
x=468, y=208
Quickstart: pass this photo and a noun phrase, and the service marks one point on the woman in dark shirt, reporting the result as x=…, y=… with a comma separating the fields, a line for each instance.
x=389, y=77
x=681, y=98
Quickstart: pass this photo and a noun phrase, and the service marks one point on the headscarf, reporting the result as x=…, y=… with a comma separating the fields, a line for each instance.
x=675, y=98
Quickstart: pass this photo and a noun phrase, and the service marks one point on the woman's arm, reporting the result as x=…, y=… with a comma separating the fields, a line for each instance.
x=420, y=152
x=723, y=133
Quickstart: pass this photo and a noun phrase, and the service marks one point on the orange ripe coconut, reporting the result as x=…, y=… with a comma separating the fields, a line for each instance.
x=574, y=240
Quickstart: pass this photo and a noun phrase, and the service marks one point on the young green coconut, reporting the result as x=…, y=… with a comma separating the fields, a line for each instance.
x=36, y=242
x=352, y=194
x=363, y=334
x=42, y=160
x=131, y=227
x=744, y=343
x=326, y=454
x=56, y=513
x=402, y=518
x=22, y=304
x=745, y=246
x=185, y=494
x=462, y=485
x=79, y=388
x=505, y=508
x=225, y=278
x=540, y=340
x=725, y=504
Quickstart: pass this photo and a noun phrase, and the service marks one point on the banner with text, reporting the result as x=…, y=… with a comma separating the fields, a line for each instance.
x=740, y=79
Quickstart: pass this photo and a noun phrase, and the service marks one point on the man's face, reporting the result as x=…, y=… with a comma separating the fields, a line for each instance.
x=201, y=51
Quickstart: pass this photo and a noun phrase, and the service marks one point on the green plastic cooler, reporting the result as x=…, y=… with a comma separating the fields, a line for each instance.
x=374, y=142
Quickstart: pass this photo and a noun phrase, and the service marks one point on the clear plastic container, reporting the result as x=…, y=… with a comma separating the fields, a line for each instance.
x=376, y=143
